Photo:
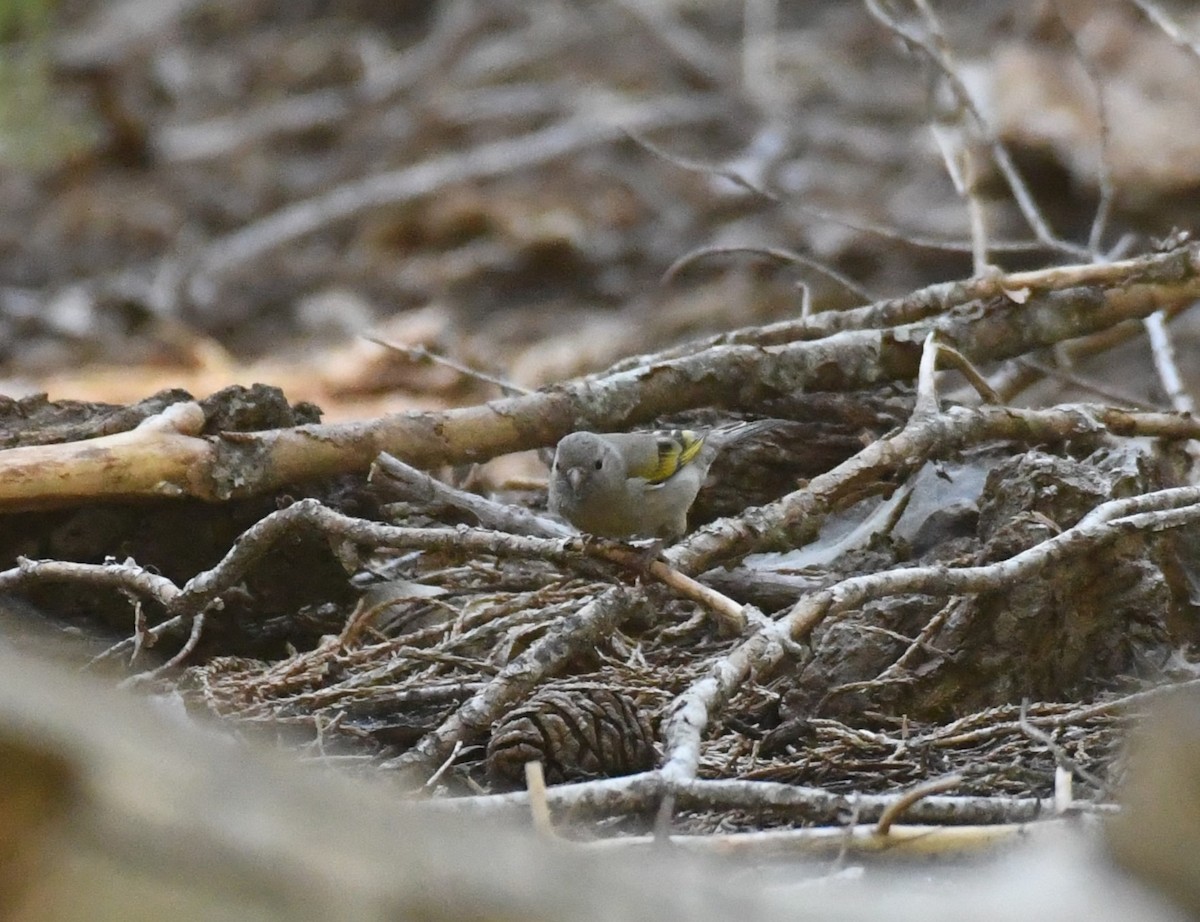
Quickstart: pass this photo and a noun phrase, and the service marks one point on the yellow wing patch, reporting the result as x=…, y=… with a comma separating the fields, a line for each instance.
x=676, y=449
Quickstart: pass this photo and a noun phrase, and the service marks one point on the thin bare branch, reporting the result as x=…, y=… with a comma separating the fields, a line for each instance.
x=689, y=47
x=422, y=354
x=1166, y=364
x=1088, y=534
x=905, y=801
x=801, y=514
x=940, y=56
x=399, y=480
x=596, y=122
x=1100, y=389
x=1154, y=13
x=691, y=713
x=974, y=377
x=1060, y=757
x=1104, y=154
x=573, y=635
x=742, y=181
x=927, y=400
x=775, y=253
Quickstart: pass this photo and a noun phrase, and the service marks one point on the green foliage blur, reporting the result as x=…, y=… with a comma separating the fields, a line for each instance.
x=36, y=131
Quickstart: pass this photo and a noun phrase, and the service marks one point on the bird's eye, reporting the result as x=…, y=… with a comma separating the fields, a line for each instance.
x=599, y=463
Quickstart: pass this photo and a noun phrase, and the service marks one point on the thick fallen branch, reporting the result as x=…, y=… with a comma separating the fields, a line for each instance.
x=642, y=793
x=1049, y=308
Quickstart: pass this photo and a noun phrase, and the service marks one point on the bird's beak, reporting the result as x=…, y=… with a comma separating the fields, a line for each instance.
x=574, y=476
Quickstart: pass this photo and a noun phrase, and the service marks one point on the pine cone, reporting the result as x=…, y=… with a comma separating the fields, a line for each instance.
x=576, y=734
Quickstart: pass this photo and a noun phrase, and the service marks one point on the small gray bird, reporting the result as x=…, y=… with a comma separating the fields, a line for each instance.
x=636, y=484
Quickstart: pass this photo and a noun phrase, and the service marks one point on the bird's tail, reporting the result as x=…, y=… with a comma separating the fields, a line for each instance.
x=736, y=432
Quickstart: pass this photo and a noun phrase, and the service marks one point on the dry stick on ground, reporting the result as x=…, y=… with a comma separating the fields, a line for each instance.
x=704, y=62
x=261, y=538
x=195, y=632
x=738, y=178
x=898, y=670
x=975, y=379
x=799, y=516
x=1061, y=759
x=1025, y=371
x=179, y=463
x=1088, y=385
x=214, y=137
x=759, y=654
x=601, y=121
x=936, y=50
x=723, y=540
x=127, y=577
x=778, y=254
x=796, y=518
x=393, y=700
x=205, y=589
x=641, y=793
x=412, y=485
x=1161, y=347
x=575, y=634
x=927, y=432
x=1104, y=140
x=953, y=134
x=926, y=405
x=1181, y=507
x=905, y=802
x=420, y=353
x=914, y=444
x=1166, y=365
x=996, y=722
